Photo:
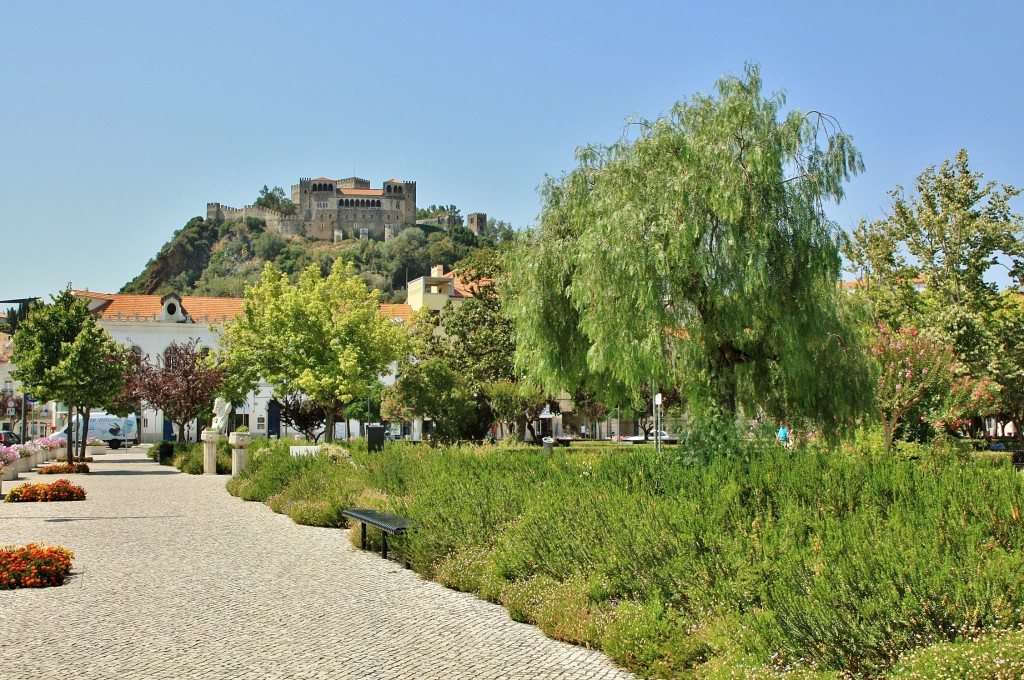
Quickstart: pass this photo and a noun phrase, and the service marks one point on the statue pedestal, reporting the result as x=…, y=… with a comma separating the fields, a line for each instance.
x=210, y=440
x=239, y=451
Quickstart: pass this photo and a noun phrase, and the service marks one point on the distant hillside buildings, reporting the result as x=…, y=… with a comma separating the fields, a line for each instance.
x=339, y=209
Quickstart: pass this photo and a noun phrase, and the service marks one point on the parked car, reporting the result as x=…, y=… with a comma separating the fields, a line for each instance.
x=7, y=438
x=664, y=436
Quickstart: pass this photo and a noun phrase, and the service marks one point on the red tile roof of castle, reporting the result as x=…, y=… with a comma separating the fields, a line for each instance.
x=201, y=309
x=361, y=192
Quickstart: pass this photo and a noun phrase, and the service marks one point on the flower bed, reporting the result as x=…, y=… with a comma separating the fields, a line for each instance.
x=63, y=468
x=8, y=455
x=61, y=490
x=50, y=443
x=34, y=566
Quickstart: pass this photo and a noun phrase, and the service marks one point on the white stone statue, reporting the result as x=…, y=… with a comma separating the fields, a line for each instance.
x=221, y=411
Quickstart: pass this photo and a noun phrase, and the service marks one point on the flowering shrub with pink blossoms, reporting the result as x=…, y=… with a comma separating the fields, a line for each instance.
x=50, y=443
x=922, y=375
x=913, y=368
x=8, y=455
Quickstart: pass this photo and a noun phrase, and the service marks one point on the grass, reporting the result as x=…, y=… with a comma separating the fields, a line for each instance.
x=818, y=562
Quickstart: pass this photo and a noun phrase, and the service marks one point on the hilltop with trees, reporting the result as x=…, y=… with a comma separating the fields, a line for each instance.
x=222, y=259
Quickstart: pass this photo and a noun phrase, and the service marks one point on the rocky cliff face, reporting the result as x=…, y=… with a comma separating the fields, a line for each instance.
x=180, y=262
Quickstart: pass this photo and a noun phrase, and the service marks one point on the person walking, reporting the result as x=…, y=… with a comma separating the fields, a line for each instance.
x=783, y=435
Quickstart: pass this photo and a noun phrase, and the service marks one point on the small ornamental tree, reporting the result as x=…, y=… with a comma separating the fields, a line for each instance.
x=432, y=390
x=967, y=399
x=507, y=403
x=95, y=374
x=182, y=383
x=914, y=368
x=62, y=354
x=302, y=414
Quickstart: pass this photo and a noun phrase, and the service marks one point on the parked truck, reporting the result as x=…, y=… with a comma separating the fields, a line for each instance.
x=113, y=430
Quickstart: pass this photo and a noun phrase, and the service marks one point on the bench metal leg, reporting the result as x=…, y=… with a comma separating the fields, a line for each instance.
x=384, y=544
x=362, y=534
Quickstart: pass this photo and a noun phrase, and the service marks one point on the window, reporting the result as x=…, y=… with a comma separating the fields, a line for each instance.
x=261, y=423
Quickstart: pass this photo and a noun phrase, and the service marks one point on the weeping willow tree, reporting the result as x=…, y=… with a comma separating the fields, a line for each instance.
x=698, y=255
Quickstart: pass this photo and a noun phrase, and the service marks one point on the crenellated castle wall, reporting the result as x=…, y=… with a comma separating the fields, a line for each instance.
x=333, y=210
x=275, y=221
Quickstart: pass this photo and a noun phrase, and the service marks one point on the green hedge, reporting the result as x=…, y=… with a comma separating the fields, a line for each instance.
x=768, y=562
x=188, y=456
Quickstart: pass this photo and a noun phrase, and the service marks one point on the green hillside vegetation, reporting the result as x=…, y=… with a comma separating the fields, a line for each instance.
x=220, y=260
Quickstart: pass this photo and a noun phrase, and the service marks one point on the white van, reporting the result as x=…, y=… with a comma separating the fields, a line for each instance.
x=113, y=430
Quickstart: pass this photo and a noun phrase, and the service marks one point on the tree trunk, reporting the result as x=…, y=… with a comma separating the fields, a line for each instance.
x=329, y=432
x=181, y=431
x=887, y=428
x=85, y=433
x=71, y=435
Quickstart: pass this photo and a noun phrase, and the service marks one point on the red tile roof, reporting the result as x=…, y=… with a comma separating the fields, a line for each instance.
x=464, y=288
x=396, y=311
x=201, y=309
x=361, y=192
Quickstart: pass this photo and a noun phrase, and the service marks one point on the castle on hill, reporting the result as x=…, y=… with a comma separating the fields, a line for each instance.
x=339, y=209
x=335, y=209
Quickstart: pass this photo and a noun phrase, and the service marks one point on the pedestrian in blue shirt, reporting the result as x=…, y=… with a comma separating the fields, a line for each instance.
x=783, y=435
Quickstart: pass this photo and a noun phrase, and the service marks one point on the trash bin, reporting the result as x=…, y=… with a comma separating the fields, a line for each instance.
x=375, y=437
x=548, y=442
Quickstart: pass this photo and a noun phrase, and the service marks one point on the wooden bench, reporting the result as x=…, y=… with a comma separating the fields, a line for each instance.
x=386, y=522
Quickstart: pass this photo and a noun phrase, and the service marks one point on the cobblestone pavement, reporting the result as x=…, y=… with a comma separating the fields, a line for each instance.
x=175, y=578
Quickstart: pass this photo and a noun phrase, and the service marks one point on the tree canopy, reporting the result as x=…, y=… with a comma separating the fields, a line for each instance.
x=948, y=236
x=697, y=255
x=321, y=337
x=276, y=200
x=182, y=383
x=63, y=354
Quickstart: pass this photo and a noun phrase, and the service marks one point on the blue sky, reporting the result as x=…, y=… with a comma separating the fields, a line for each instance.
x=119, y=121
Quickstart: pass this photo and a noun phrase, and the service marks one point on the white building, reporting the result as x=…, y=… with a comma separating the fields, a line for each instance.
x=148, y=324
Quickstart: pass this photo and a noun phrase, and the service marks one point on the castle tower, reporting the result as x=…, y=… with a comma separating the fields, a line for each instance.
x=400, y=197
x=477, y=223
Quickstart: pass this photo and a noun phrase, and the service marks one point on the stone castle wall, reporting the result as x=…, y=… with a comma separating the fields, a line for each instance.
x=275, y=221
x=327, y=212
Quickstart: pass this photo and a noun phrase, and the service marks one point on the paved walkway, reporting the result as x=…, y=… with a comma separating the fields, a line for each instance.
x=174, y=578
